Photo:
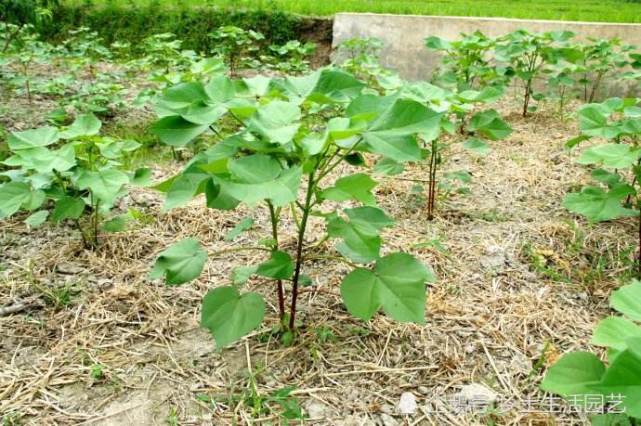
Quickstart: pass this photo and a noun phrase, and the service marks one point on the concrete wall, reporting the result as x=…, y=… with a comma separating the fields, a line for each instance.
x=404, y=35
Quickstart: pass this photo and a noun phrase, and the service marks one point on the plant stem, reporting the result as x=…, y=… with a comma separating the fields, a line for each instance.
x=432, y=181
x=562, y=102
x=639, y=256
x=299, y=248
x=95, y=223
x=273, y=216
x=11, y=37
x=526, y=97
x=85, y=242
x=27, y=85
x=595, y=86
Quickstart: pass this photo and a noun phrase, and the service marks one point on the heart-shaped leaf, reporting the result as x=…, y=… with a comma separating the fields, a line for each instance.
x=180, y=263
x=228, y=315
x=397, y=284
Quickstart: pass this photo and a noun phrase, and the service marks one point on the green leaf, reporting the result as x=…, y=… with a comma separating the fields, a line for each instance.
x=279, y=266
x=84, y=125
x=490, y=125
x=176, y=131
x=400, y=149
x=335, y=86
x=115, y=224
x=67, y=208
x=37, y=219
x=218, y=196
x=220, y=89
x=573, y=374
x=203, y=114
x=142, y=177
x=116, y=149
x=477, y=146
x=257, y=85
x=360, y=235
x=17, y=195
x=623, y=377
x=593, y=121
x=280, y=191
x=487, y=95
x=612, y=333
x=609, y=178
x=397, y=284
x=613, y=155
x=437, y=43
x=257, y=168
x=242, y=226
x=182, y=189
x=228, y=315
x=354, y=187
x=575, y=141
x=40, y=137
x=627, y=300
x=392, y=133
x=241, y=274
x=43, y=160
x=277, y=122
x=610, y=419
x=389, y=167
x=180, y=263
x=182, y=96
x=105, y=184
x=598, y=205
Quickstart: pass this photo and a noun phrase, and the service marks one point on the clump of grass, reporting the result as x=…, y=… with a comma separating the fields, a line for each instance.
x=590, y=10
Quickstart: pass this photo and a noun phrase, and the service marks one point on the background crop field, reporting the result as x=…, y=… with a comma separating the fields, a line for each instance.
x=581, y=10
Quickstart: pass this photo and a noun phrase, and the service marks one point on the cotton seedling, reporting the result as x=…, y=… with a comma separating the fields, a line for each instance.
x=235, y=45
x=455, y=113
x=360, y=57
x=615, y=165
x=68, y=174
x=292, y=134
x=525, y=56
x=600, y=59
x=466, y=62
x=588, y=383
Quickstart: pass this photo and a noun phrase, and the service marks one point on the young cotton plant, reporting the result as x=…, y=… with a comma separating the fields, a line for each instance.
x=525, y=56
x=616, y=164
x=236, y=46
x=600, y=59
x=589, y=384
x=561, y=83
x=68, y=174
x=466, y=62
x=458, y=114
x=292, y=135
x=291, y=57
x=360, y=57
x=200, y=69
x=18, y=59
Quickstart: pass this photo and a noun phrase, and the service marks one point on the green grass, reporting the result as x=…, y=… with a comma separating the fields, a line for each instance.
x=568, y=10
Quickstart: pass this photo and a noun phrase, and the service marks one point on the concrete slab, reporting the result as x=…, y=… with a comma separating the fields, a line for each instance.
x=403, y=35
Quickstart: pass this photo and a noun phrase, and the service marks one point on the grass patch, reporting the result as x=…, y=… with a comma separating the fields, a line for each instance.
x=586, y=10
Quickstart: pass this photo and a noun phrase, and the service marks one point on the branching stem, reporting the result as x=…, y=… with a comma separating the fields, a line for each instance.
x=299, y=247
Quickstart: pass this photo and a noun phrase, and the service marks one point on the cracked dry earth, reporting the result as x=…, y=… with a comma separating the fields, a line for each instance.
x=516, y=288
